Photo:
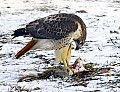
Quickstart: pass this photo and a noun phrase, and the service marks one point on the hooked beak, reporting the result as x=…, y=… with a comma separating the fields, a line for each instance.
x=78, y=43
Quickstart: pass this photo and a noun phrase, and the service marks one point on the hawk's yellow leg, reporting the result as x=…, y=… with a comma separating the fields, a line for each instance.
x=63, y=55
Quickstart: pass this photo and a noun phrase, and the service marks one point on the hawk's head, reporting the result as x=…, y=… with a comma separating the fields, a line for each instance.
x=80, y=40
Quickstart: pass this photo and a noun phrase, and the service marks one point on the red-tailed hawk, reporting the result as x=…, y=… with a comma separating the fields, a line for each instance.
x=54, y=32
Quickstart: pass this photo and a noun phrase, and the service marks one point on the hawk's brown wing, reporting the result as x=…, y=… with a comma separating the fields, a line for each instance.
x=52, y=27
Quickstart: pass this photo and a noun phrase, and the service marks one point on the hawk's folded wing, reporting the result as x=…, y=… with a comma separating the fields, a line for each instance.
x=52, y=27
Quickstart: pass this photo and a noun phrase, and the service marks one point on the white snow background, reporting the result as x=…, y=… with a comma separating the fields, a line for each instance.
x=102, y=45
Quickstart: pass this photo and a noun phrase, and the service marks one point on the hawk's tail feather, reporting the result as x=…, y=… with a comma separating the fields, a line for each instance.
x=20, y=32
x=26, y=48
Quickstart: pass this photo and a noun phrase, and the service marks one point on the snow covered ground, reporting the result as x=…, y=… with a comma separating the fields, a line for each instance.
x=102, y=46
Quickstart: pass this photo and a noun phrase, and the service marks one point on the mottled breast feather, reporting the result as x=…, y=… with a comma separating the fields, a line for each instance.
x=55, y=26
